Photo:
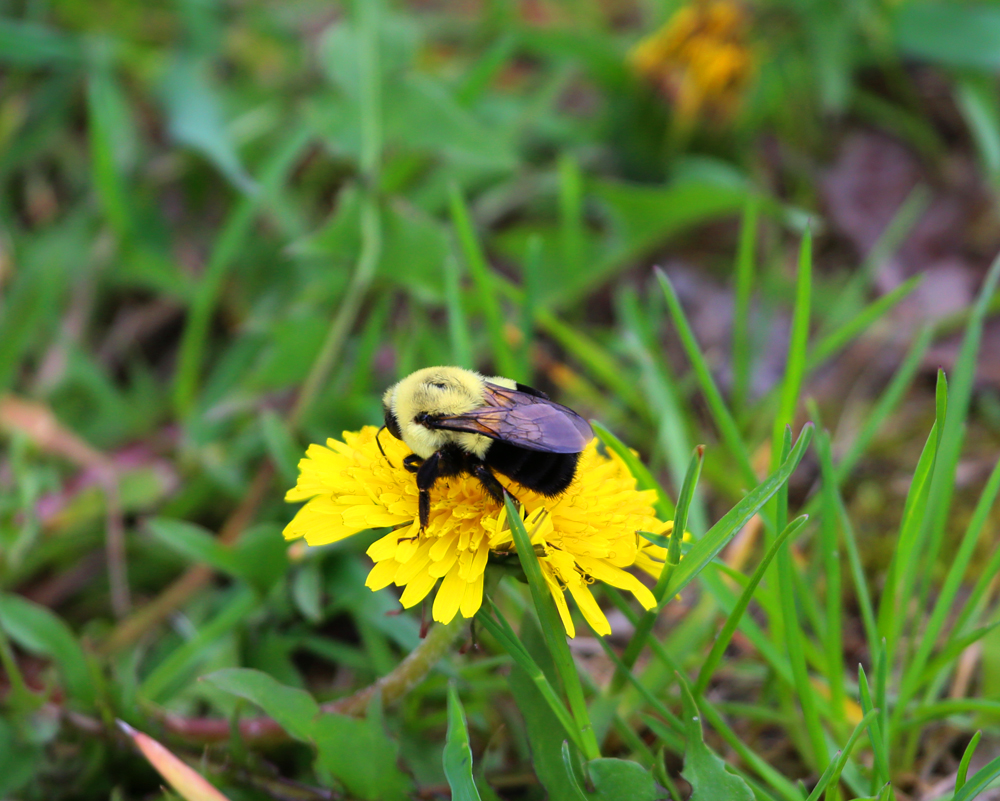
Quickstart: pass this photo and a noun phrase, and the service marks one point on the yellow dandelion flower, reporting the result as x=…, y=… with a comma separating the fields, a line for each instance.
x=587, y=534
x=700, y=59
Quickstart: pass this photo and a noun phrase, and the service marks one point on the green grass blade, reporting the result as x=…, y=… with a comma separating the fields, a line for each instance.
x=963, y=765
x=575, y=791
x=874, y=730
x=795, y=368
x=104, y=106
x=850, y=544
x=792, y=637
x=571, y=226
x=742, y=351
x=482, y=279
x=953, y=648
x=901, y=578
x=853, y=328
x=724, y=421
x=980, y=781
x=169, y=673
x=753, y=760
x=484, y=69
x=457, y=757
x=552, y=630
x=832, y=773
x=602, y=365
x=226, y=248
x=705, y=550
x=939, y=710
x=953, y=431
x=851, y=296
x=661, y=393
x=653, y=701
x=645, y=626
x=533, y=273
x=887, y=403
x=833, y=638
x=458, y=325
x=725, y=635
x=881, y=695
x=945, y=602
x=508, y=640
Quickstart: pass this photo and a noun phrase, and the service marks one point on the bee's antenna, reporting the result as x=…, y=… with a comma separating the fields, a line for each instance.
x=379, y=443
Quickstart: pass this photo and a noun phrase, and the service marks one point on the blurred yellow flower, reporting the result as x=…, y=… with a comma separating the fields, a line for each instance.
x=588, y=533
x=700, y=59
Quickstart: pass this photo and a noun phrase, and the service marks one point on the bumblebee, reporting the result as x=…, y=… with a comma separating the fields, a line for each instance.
x=457, y=422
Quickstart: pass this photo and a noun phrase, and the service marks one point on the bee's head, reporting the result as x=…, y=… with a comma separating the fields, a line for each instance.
x=430, y=392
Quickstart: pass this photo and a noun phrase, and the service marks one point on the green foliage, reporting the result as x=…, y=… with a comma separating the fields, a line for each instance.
x=704, y=769
x=457, y=754
x=357, y=753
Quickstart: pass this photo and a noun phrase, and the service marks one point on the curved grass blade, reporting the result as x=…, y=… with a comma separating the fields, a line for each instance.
x=642, y=631
x=963, y=765
x=573, y=785
x=552, y=630
x=795, y=368
x=979, y=782
x=832, y=773
x=874, y=729
x=706, y=549
x=506, y=637
x=724, y=420
x=729, y=627
x=457, y=756
x=741, y=313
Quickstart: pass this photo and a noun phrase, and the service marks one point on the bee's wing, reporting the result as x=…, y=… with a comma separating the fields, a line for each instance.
x=528, y=421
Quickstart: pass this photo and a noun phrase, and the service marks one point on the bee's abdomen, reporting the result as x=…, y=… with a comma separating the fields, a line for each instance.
x=545, y=473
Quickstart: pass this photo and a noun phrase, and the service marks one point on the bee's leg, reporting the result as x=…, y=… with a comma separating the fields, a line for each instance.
x=412, y=463
x=494, y=488
x=427, y=474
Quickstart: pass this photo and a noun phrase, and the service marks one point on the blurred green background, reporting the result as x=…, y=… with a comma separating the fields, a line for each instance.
x=226, y=227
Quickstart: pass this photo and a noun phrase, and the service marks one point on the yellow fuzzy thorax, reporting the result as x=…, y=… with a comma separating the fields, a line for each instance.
x=440, y=391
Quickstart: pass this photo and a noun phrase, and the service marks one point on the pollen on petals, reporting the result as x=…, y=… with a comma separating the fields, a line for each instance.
x=587, y=534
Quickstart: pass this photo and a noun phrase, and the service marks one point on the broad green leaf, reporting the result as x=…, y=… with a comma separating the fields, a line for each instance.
x=193, y=542
x=703, y=768
x=414, y=245
x=38, y=630
x=294, y=710
x=20, y=760
x=196, y=119
x=112, y=145
x=258, y=558
x=615, y=779
x=307, y=591
x=977, y=101
x=28, y=44
x=359, y=754
x=457, y=754
x=949, y=33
